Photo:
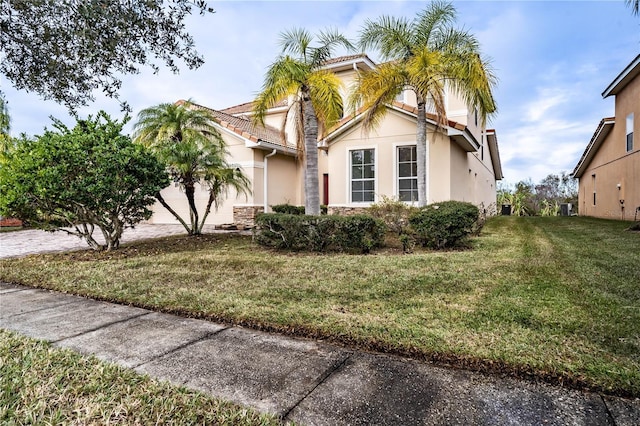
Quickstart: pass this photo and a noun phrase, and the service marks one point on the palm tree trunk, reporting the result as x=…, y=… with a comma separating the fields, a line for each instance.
x=173, y=212
x=311, y=182
x=189, y=191
x=421, y=152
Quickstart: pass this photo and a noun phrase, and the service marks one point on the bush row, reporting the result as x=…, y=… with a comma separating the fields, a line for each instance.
x=319, y=233
x=297, y=210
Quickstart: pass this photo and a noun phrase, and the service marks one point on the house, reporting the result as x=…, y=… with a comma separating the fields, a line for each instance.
x=356, y=168
x=608, y=172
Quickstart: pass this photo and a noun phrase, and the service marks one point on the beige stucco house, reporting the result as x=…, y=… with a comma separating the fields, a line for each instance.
x=356, y=168
x=608, y=172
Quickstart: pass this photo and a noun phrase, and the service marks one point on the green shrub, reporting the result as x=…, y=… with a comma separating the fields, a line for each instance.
x=444, y=224
x=290, y=209
x=319, y=233
x=394, y=213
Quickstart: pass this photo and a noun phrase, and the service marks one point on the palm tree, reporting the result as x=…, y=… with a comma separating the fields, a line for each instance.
x=424, y=55
x=297, y=74
x=635, y=6
x=183, y=136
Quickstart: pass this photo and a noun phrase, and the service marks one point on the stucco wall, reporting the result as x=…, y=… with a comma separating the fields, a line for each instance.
x=612, y=165
x=395, y=130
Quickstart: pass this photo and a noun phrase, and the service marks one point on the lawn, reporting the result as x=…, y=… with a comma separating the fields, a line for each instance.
x=556, y=299
x=40, y=384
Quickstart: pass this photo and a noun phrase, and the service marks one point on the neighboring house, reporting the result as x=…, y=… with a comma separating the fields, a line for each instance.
x=356, y=168
x=609, y=169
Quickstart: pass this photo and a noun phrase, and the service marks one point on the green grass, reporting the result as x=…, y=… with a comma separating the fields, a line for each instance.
x=40, y=384
x=10, y=228
x=551, y=298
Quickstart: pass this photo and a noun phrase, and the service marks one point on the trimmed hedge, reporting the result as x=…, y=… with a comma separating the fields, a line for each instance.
x=445, y=224
x=319, y=233
x=290, y=209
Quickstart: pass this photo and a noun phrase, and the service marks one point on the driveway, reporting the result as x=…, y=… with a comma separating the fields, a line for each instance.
x=31, y=241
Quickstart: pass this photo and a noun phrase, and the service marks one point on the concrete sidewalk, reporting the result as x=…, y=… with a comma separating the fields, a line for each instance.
x=305, y=381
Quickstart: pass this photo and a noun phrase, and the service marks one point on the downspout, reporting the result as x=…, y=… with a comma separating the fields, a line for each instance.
x=266, y=204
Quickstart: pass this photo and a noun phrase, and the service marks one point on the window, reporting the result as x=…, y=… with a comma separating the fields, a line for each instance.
x=400, y=97
x=407, y=173
x=593, y=182
x=630, y=132
x=363, y=175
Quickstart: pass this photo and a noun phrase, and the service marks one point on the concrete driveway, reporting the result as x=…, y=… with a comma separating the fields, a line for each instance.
x=31, y=241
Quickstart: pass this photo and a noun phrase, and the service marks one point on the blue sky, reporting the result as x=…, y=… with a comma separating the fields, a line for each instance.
x=553, y=60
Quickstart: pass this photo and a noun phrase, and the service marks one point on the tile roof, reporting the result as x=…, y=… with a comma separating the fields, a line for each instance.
x=345, y=58
x=247, y=107
x=244, y=127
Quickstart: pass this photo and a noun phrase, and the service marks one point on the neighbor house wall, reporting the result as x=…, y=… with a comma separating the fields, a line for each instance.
x=612, y=165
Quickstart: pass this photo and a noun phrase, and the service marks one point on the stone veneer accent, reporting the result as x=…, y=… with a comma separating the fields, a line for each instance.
x=347, y=211
x=246, y=215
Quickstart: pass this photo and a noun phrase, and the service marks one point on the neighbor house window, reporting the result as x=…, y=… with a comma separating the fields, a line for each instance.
x=593, y=182
x=407, y=173
x=630, y=132
x=363, y=174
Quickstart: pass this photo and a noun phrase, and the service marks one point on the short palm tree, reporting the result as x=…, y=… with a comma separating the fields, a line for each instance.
x=297, y=74
x=183, y=136
x=424, y=55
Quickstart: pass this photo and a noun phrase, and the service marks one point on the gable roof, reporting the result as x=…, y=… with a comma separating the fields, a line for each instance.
x=456, y=131
x=625, y=77
x=492, y=141
x=605, y=126
x=266, y=136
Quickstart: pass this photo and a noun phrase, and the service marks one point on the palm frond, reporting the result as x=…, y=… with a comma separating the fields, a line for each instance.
x=431, y=22
x=376, y=89
x=324, y=88
x=390, y=36
x=283, y=78
x=329, y=40
x=296, y=42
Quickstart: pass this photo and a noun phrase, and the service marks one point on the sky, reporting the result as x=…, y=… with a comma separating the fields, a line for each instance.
x=553, y=60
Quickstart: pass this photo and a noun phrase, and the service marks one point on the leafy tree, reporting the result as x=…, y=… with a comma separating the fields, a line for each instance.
x=422, y=54
x=5, y=126
x=65, y=49
x=184, y=138
x=298, y=73
x=75, y=180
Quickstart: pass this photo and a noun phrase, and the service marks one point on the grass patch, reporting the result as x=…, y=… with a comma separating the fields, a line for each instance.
x=40, y=384
x=10, y=228
x=550, y=298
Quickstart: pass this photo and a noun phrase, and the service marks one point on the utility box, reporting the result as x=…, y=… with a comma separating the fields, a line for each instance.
x=566, y=209
x=506, y=210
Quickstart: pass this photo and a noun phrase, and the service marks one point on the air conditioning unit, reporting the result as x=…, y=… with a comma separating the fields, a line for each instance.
x=566, y=209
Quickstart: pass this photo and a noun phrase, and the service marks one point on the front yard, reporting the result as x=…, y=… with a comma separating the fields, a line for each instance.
x=551, y=298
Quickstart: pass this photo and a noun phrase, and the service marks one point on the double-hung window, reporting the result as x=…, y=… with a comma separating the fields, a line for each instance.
x=630, y=132
x=407, y=173
x=363, y=175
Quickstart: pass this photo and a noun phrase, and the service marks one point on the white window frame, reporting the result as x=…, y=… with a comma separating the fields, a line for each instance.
x=350, y=177
x=629, y=133
x=396, y=171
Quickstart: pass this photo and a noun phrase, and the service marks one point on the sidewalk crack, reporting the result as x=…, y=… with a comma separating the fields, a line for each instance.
x=323, y=378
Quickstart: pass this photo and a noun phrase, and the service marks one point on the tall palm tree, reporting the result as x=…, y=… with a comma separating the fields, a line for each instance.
x=424, y=55
x=297, y=74
x=184, y=137
x=635, y=6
